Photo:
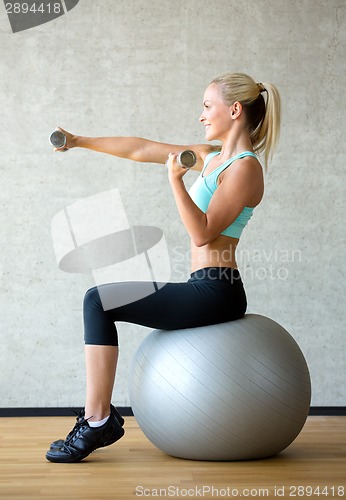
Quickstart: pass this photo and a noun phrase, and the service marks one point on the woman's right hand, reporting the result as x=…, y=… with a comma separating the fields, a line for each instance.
x=70, y=140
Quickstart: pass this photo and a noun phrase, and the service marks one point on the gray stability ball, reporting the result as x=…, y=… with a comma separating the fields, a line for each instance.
x=231, y=391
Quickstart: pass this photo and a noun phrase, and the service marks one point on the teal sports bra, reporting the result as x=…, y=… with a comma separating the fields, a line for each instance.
x=204, y=188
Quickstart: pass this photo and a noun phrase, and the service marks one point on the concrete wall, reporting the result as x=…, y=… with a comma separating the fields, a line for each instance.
x=140, y=68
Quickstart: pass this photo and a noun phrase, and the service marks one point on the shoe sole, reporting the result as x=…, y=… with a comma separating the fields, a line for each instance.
x=71, y=459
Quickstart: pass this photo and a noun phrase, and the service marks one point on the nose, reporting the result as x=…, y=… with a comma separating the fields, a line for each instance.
x=201, y=118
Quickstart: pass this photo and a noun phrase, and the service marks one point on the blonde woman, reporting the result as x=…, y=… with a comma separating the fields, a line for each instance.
x=245, y=117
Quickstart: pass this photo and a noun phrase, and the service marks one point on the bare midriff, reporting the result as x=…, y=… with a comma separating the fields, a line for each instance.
x=218, y=253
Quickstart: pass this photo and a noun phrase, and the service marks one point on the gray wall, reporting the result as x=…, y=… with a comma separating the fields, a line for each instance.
x=140, y=68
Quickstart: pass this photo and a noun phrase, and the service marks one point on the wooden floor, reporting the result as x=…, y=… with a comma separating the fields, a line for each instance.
x=134, y=468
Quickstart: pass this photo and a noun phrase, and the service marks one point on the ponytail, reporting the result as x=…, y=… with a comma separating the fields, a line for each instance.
x=263, y=115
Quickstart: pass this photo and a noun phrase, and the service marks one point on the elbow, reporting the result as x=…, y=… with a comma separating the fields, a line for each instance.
x=201, y=240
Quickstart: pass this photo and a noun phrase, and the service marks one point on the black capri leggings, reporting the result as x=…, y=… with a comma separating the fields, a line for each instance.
x=211, y=295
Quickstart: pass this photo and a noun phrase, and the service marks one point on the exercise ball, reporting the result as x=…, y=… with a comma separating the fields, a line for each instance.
x=230, y=391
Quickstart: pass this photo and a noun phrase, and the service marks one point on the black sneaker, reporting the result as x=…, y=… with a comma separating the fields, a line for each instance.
x=59, y=443
x=83, y=440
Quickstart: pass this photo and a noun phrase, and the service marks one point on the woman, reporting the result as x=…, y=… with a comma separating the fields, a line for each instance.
x=214, y=213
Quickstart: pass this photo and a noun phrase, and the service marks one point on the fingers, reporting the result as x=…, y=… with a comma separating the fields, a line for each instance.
x=175, y=170
x=171, y=156
x=170, y=159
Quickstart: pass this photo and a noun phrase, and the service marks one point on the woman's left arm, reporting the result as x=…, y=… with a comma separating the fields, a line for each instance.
x=237, y=190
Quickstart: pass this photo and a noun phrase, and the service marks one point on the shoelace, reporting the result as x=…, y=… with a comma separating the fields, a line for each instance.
x=80, y=421
x=74, y=434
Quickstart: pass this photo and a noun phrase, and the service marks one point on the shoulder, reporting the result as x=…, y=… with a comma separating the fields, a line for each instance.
x=202, y=151
x=246, y=176
x=245, y=167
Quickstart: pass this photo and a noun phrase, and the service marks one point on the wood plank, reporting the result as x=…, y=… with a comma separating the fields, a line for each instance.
x=134, y=468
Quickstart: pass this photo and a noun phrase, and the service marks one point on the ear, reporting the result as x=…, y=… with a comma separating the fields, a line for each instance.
x=236, y=110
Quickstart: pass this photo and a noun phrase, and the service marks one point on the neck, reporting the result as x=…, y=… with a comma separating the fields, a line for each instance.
x=236, y=142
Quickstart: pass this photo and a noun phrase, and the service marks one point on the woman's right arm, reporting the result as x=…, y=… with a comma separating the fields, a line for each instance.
x=135, y=148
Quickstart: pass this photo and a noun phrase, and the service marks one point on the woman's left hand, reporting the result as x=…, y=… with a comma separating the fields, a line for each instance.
x=175, y=171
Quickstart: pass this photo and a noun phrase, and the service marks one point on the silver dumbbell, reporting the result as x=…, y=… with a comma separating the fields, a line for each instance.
x=57, y=139
x=186, y=159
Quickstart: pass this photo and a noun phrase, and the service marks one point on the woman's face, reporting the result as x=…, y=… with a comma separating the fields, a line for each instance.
x=216, y=115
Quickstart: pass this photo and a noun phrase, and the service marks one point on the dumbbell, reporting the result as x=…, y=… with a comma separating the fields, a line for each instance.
x=57, y=139
x=186, y=159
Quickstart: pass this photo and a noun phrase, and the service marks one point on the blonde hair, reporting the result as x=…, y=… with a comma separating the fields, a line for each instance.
x=263, y=116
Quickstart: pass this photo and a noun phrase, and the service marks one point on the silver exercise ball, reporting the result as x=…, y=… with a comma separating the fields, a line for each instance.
x=231, y=391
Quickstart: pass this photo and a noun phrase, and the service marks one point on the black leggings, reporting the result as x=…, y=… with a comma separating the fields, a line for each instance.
x=211, y=295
